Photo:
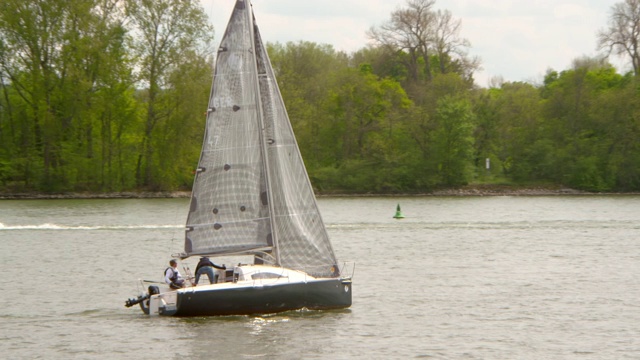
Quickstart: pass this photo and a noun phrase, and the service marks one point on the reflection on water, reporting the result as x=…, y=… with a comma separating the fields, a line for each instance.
x=492, y=278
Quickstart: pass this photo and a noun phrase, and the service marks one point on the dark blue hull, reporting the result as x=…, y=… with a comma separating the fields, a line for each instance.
x=315, y=295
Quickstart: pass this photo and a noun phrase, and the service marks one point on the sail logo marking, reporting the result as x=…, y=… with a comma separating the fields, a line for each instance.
x=222, y=102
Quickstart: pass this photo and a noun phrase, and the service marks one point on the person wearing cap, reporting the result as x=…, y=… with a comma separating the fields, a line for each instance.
x=205, y=266
x=172, y=276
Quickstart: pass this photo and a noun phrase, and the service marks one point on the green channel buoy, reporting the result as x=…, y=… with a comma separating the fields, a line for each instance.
x=398, y=214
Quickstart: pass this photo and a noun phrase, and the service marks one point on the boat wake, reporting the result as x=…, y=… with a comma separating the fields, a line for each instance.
x=48, y=226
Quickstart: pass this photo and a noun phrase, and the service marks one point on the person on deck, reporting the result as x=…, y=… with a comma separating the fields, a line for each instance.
x=205, y=266
x=172, y=276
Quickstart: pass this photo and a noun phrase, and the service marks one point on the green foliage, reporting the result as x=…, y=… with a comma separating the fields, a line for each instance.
x=170, y=32
x=70, y=119
x=304, y=71
x=453, y=141
x=87, y=104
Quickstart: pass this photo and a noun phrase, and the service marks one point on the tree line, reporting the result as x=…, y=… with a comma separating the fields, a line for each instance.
x=110, y=95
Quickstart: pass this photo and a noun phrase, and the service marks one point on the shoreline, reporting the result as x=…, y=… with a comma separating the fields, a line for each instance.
x=470, y=190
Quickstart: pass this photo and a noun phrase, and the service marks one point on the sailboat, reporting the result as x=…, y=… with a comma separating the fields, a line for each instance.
x=252, y=197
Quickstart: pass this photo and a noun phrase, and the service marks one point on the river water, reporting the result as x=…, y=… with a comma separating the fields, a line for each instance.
x=459, y=278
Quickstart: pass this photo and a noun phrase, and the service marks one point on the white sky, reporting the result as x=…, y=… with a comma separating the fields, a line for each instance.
x=516, y=39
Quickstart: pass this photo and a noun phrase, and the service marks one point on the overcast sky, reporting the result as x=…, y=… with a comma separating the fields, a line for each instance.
x=516, y=39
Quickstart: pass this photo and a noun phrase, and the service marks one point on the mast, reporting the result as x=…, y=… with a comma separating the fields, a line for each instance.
x=263, y=142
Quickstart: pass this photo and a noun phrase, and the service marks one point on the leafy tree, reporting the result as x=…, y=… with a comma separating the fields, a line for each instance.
x=33, y=30
x=304, y=71
x=519, y=121
x=485, y=106
x=577, y=127
x=383, y=62
x=362, y=108
x=163, y=31
x=424, y=125
x=179, y=137
x=56, y=60
x=617, y=114
x=453, y=140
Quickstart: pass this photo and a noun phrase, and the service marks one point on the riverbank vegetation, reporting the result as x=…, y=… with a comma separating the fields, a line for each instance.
x=110, y=96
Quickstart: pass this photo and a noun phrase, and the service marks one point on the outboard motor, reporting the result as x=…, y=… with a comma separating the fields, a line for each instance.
x=133, y=301
x=153, y=290
x=144, y=305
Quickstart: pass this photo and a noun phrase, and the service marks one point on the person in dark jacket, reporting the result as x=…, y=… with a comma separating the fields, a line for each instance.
x=205, y=266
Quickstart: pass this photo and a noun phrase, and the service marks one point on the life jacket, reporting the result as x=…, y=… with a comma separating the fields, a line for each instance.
x=173, y=277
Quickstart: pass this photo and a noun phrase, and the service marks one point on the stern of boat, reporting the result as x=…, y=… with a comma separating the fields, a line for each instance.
x=163, y=304
x=158, y=300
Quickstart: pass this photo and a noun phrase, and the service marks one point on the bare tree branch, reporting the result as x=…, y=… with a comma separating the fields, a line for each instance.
x=410, y=31
x=622, y=37
x=423, y=34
